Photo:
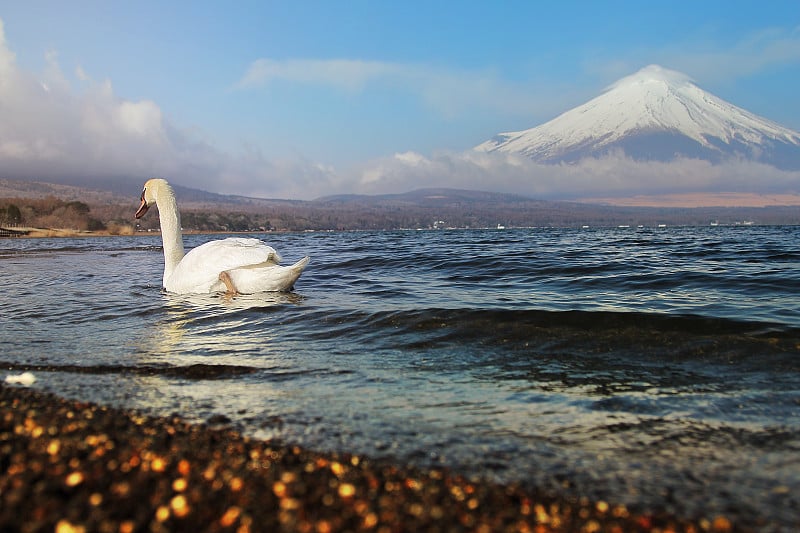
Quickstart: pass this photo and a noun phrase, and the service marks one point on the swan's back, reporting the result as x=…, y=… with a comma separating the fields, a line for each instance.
x=199, y=270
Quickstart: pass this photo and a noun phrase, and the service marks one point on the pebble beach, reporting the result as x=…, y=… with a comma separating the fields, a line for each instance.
x=70, y=466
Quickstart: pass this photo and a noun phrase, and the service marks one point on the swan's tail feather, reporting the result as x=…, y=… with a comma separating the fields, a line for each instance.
x=300, y=265
x=295, y=270
x=263, y=277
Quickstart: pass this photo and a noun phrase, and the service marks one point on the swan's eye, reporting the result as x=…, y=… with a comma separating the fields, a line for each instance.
x=142, y=197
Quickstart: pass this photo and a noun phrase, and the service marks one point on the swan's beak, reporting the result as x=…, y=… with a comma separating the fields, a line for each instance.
x=143, y=207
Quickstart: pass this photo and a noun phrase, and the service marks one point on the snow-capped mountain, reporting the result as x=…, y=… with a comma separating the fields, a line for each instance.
x=655, y=114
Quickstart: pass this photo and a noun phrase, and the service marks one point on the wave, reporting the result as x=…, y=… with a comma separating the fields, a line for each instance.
x=81, y=245
x=527, y=333
x=193, y=372
x=529, y=320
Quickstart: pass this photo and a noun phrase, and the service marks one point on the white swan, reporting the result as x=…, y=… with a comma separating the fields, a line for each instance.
x=233, y=265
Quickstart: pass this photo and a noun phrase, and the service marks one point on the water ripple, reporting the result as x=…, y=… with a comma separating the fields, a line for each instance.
x=610, y=363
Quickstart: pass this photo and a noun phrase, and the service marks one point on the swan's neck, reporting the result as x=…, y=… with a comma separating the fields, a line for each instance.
x=171, y=236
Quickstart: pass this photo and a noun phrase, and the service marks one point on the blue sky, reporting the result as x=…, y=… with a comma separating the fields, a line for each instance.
x=299, y=99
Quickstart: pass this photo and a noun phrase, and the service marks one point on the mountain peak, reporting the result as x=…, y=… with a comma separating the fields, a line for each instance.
x=655, y=114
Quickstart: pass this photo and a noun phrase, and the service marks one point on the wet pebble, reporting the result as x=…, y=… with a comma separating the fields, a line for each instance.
x=69, y=466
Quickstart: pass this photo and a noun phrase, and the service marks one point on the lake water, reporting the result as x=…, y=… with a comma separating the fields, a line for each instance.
x=655, y=367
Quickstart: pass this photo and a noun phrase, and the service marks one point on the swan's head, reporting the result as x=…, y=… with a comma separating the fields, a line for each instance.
x=149, y=195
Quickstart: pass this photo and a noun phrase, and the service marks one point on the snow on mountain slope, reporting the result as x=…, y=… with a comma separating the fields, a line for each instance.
x=655, y=114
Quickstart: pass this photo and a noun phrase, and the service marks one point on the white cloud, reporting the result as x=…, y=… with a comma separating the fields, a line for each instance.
x=759, y=51
x=709, y=61
x=50, y=130
x=445, y=90
x=615, y=174
x=56, y=130
x=140, y=118
x=81, y=74
x=348, y=74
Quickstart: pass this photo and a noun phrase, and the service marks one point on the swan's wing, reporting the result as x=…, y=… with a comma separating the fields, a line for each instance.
x=266, y=277
x=199, y=270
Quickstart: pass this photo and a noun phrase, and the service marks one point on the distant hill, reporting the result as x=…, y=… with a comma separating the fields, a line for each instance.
x=418, y=209
x=434, y=196
x=38, y=190
x=119, y=191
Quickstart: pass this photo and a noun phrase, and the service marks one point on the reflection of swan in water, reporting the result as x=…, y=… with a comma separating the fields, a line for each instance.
x=199, y=346
x=208, y=330
x=235, y=265
x=199, y=304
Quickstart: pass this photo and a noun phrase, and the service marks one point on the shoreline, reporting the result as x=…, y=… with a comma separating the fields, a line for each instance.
x=68, y=465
